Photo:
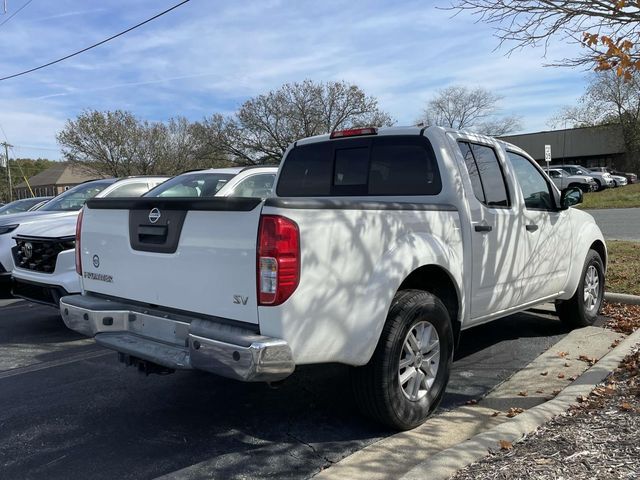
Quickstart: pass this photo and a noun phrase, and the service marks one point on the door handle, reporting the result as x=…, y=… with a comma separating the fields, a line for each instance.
x=531, y=228
x=483, y=228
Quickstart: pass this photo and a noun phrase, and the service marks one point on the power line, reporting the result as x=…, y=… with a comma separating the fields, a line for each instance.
x=95, y=44
x=16, y=12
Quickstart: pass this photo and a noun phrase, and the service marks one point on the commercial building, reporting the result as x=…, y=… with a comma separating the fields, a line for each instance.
x=601, y=146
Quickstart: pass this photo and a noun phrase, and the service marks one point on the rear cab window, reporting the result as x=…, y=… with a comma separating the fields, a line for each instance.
x=402, y=165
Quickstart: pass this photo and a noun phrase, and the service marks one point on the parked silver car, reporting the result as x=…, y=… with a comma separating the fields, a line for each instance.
x=563, y=180
x=603, y=179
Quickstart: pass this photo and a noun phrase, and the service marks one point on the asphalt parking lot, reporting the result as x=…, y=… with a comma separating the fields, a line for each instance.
x=618, y=223
x=68, y=409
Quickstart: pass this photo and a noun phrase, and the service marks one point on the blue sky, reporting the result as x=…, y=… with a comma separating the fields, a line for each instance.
x=209, y=56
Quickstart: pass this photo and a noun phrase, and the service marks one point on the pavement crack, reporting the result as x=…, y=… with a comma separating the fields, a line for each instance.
x=311, y=447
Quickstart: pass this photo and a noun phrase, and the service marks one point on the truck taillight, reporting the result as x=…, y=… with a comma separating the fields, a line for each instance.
x=78, y=246
x=278, y=262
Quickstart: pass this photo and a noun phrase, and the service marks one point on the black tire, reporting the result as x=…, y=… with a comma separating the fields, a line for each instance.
x=598, y=184
x=376, y=385
x=574, y=312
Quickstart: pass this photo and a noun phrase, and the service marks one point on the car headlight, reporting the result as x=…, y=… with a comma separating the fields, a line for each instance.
x=8, y=228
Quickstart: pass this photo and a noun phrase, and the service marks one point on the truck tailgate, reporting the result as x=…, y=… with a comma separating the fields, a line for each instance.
x=185, y=254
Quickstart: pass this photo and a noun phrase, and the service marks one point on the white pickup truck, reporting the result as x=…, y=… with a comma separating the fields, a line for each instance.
x=376, y=249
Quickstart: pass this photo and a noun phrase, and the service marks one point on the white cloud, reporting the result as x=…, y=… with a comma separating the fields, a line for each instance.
x=208, y=57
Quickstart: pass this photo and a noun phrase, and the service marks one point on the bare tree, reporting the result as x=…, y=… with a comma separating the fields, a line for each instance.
x=103, y=142
x=266, y=125
x=116, y=143
x=476, y=109
x=608, y=29
x=609, y=100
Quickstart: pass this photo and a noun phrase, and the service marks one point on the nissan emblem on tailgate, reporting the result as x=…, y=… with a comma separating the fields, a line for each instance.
x=154, y=215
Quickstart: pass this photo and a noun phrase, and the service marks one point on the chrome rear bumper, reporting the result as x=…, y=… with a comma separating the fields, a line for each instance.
x=178, y=342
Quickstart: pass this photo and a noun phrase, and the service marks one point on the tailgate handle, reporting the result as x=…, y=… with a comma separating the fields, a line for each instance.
x=152, y=234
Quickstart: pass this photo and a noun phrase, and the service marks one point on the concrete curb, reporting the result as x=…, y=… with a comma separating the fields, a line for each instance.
x=622, y=298
x=447, y=462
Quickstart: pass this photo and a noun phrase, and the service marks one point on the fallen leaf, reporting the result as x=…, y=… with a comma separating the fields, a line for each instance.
x=626, y=407
x=555, y=392
x=471, y=402
x=561, y=375
x=581, y=399
x=540, y=391
x=523, y=393
x=572, y=379
x=563, y=354
x=513, y=411
x=505, y=445
x=495, y=414
x=544, y=374
x=590, y=360
x=567, y=364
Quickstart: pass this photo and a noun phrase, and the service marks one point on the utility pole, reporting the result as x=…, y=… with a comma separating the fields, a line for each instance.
x=6, y=154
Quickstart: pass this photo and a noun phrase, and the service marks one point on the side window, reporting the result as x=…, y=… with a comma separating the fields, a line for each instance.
x=258, y=186
x=486, y=174
x=472, y=168
x=552, y=173
x=130, y=190
x=535, y=189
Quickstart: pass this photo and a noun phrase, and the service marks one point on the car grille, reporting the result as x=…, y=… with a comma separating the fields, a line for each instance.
x=40, y=254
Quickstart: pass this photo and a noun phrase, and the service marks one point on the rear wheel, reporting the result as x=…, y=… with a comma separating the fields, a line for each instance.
x=405, y=379
x=582, y=309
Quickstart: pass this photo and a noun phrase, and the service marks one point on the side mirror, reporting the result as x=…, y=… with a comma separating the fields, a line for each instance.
x=570, y=197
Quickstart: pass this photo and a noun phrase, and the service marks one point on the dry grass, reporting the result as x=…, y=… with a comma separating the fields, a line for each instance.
x=623, y=271
x=621, y=197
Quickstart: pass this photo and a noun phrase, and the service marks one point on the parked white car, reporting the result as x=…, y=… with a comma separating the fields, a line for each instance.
x=563, y=180
x=603, y=179
x=49, y=273
x=23, y=205
x=41, y=251
x=377, y=248
x=67, y=203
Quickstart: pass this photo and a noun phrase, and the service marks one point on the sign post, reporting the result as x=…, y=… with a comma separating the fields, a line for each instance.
x=547, y=156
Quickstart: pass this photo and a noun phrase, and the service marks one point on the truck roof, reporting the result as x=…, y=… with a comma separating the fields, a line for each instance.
x=410, y=130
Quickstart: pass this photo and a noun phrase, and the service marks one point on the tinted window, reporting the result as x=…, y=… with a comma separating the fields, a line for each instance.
x=535, y=189
x=191, y=185
x=407, y=168
x=74, y=198
x=398, y=165
x=352, y=166
x=307, y=171
x=472, y=169
x=258, y=186
x=486, y=174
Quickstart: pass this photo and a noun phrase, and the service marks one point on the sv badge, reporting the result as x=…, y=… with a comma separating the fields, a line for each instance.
x=240, y=300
